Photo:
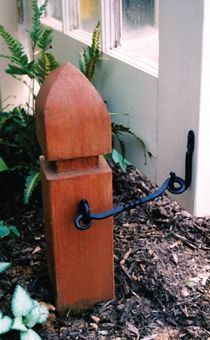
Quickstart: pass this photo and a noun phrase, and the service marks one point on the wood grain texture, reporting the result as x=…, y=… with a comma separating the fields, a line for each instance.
x=71, y=118
x=80, y=262
x=74, y=129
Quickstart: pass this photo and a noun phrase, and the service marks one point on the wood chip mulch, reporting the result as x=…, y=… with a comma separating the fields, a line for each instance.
x=161, y=271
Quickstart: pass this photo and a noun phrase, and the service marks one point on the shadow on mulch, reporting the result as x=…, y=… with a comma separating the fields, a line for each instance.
x=161, y=270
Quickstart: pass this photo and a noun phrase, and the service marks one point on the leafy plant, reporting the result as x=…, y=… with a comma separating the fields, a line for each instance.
x=32, y=180
x=3, y=166
x=91, y=54
x=19, y=149
x=42, y=61
x=6, y=230
x=117, y=132
x=120, y=160
x=27, y=313
x=88, y=59
x=4, y=266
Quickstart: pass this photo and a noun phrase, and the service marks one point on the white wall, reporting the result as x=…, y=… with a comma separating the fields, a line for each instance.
x=8, y=85
x=202, y=187
x=181, y=25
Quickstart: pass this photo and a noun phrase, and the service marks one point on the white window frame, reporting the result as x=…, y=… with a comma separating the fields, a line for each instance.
x=112, y=18
x=74, y=31
x=111, y=24
x=53, y=22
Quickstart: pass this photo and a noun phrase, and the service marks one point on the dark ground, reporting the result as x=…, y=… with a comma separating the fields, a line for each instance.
x=161, y=271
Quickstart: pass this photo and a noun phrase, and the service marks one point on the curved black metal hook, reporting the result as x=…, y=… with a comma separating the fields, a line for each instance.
x=83, y=221
x=189, y=157
x=174, y=184
x=183, y=185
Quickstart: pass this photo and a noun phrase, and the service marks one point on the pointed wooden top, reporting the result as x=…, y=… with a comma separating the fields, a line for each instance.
x=71, y=118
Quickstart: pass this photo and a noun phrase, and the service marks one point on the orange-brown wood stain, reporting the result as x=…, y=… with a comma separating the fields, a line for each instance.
x=72, y=168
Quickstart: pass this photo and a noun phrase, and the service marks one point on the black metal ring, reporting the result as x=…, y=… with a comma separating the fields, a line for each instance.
x=181, y=185
x=79, y=223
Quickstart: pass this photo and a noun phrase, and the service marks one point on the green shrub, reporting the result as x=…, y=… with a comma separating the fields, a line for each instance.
x=19, y=149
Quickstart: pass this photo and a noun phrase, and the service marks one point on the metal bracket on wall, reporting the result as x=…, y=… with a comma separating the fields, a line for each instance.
x=174, y=184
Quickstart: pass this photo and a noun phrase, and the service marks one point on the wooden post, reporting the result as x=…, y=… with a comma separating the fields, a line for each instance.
x=74, y=131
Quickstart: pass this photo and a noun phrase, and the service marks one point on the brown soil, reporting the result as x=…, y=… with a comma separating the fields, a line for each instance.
x=161, y=271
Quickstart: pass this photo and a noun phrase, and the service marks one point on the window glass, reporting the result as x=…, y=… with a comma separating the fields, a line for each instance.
x=140, y=27
x=55, y=9
x=89, y=14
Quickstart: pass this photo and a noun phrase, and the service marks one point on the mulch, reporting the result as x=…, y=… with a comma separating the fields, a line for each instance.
x=161, y=270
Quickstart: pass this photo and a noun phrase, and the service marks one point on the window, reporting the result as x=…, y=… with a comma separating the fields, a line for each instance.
x=53, y=16
x=129, y=27
x=139, y=28
x=55, y=9
x=135, y=33
x=89, y=14
x=80, y=18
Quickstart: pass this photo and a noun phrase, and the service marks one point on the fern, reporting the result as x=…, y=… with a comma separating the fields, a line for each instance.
x=16, y=48
x=90, y=55
x=32, y=180
x=96, y=38
x=45, y=39
x=82, y=63
x=41, y=38
x=37, y=30
x=44, y=65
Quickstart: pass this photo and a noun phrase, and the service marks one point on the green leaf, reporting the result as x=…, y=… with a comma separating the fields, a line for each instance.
x=15, y=47
x=31, y=183
x=118, y=159
x=33, y=317
x=45, y=64
x=91, y=54
x=29, y=335
x=21, y=303
x=4, y=266
x=3, y=166
x=38, y=314
x=14, y=230
x=119, y=128
x=4, y=231
x=18, y=324
x=16, y=70
x=45, y=39
x=82, y=64
x=4, y=116
x=5, y=324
